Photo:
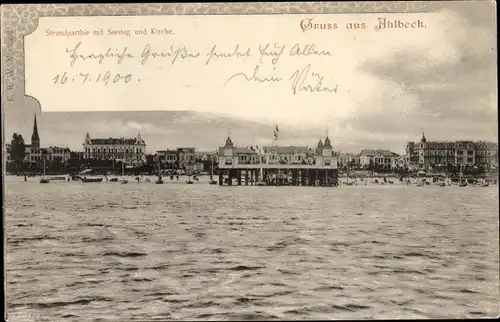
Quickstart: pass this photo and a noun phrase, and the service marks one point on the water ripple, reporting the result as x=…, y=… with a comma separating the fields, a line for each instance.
x=199, y=252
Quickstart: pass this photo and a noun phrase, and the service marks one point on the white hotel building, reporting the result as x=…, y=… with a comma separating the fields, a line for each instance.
x=131, y=150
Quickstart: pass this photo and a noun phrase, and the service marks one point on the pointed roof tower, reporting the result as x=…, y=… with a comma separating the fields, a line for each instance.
x=229, y=143
x=139, y=139
x=320, y=144
x=423, y=137
x=35, y=138
x=327, y=143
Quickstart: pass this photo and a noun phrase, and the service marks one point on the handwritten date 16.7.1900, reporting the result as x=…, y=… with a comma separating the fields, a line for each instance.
x=87, y=78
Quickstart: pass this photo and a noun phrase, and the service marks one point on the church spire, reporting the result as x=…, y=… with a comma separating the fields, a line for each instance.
x=35, y=138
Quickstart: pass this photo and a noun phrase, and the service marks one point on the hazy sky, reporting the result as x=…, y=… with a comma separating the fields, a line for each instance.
x=392, y=84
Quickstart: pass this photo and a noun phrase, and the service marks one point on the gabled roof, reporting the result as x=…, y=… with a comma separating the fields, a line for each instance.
x=286, y=149
x=238, y=151
x=65, y=149
x=244, y=151
x=373, y=153
x=116, y=141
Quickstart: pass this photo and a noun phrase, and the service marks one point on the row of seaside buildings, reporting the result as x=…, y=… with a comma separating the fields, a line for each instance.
x=423, y=154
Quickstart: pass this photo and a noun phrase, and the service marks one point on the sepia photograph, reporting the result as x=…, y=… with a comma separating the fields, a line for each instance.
x=250, y=161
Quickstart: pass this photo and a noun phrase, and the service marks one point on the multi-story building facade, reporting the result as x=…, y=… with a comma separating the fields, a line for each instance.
x=349, y=159
x=186, y=157
x=170, y=158
x=486, y=153
x=59, y=154
x=399, y=162
x=230, y=154
x=423, y=154
x=427, y=154
x=132, y=151
x=377, y=158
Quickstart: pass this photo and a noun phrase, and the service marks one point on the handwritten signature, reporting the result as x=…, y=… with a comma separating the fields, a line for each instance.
x=255, y=77
x=302, y=82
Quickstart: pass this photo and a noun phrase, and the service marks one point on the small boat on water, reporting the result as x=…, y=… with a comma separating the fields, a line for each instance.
x=189, y=181
x=261, y=183
x=113, y=180
x=441, y=184
x=57, y=178
x=420, y=184
x=91, y=179
x=462, y=184
x=124, y=181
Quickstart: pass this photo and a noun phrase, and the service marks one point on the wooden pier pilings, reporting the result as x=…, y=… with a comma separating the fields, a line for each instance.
x=311, y=177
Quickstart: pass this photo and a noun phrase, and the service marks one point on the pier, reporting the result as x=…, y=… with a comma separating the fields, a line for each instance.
x=278, y=165
x=278, y=175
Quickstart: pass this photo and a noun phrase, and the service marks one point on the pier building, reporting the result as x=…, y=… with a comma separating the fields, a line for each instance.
x=278, y=165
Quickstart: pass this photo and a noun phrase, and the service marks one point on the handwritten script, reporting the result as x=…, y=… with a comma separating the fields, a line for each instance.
x=257, y=65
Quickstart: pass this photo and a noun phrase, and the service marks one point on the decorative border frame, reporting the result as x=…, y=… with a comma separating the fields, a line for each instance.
x=19, y=20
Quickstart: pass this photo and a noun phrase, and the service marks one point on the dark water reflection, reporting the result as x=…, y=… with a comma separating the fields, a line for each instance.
x=143, y=251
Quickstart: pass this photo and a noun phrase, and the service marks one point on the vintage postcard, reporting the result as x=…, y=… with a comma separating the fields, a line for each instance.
x=250, y=161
